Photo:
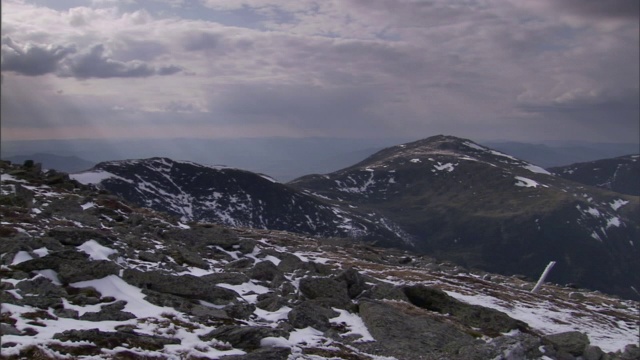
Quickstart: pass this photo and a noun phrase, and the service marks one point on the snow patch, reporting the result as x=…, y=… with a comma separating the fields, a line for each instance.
x=536, y=169
x=20, y=257
x=618, y=203
x=96, y=251
x=354, y=323
x=525, y=182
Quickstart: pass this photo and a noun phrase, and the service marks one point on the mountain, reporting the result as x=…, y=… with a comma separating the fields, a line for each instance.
x=620, y=174
x=85, y=274
x=561, y=154
x=66, y=164
x=232, y=197
x=485, y=209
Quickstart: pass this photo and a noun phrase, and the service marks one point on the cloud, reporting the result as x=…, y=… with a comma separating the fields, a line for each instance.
x=32, y=59
x=600, y=9
x=339, y=67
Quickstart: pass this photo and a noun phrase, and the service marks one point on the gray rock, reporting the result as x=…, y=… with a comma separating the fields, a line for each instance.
x=384, y=291
x=77, y=236
x=410, y=334
x=356, y=283
x=270, y=302
x=71, y=266
x=66, y=313
x=41, y=293
x=232, y=278
x=312, y=314
x=114, y=315
x=111, y=340
x=592, y=353
x=631, y=352
x=8, y=329
x=264, y=271
x=185, y=285
x=240, y=310
x=325, y=288
x=490, y=321
x=576, y=296
x=189, y=306
x=185, y=256
x=243, y=337
x=288, y=262
x=150, y=256
x=262, y=354
x=241, y=263
x=110, y=312
x=573, y=342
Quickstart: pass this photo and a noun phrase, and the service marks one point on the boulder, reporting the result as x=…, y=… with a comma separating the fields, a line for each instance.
x=403, y=332
x=312, y=314
x=264, y=271
x=384, y=291
x=490, y=321
x=110, y=312
x=573, y=342
x=270, y=302
x=268, y=353
x=185, y=285
x=325, y=288
x=77, y=236
x=111, y=340
x=288, y=262
x=71, y=266
x=356, y=283
x=243, y=337
x=232, y=278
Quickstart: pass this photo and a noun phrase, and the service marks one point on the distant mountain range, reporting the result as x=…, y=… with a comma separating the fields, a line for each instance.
x=444, y=196
x=620, y=174
x=68, y=164
x=288, y=158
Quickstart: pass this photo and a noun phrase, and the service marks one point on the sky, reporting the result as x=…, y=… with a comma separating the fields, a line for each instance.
x=521, y=70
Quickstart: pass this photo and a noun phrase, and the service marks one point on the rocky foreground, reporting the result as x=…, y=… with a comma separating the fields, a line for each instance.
x=86, y=275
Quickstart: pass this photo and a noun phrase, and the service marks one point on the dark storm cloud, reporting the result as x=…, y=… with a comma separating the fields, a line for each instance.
x=96, y=64
x=605, y=114
x=65, y=61
x=31, y=59
x=601, y=8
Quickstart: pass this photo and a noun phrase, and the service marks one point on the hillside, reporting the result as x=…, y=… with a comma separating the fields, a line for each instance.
x=87, y=275
x=620, y=174
x=485, y=209
x=231, y=197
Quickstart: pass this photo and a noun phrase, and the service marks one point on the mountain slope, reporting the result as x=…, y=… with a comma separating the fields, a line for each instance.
x=87, y=275
x=229, y=196
x=484, y=209
x=620, y=174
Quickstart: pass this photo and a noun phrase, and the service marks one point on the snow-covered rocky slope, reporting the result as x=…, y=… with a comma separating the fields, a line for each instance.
x=231, y=197
x=620, y=174
x=87, y=275
x=485, y=209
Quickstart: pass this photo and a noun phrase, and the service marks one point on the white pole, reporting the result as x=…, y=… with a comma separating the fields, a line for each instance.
x=543, y=276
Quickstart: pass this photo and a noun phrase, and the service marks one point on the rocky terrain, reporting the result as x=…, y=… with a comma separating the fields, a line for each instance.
x=87, y=275
x=620, y=174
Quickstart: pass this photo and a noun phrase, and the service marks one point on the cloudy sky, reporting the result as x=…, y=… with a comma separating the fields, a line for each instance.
x=525, y=70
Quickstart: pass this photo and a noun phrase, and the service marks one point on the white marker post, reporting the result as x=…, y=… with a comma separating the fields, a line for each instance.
x=543, y=276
